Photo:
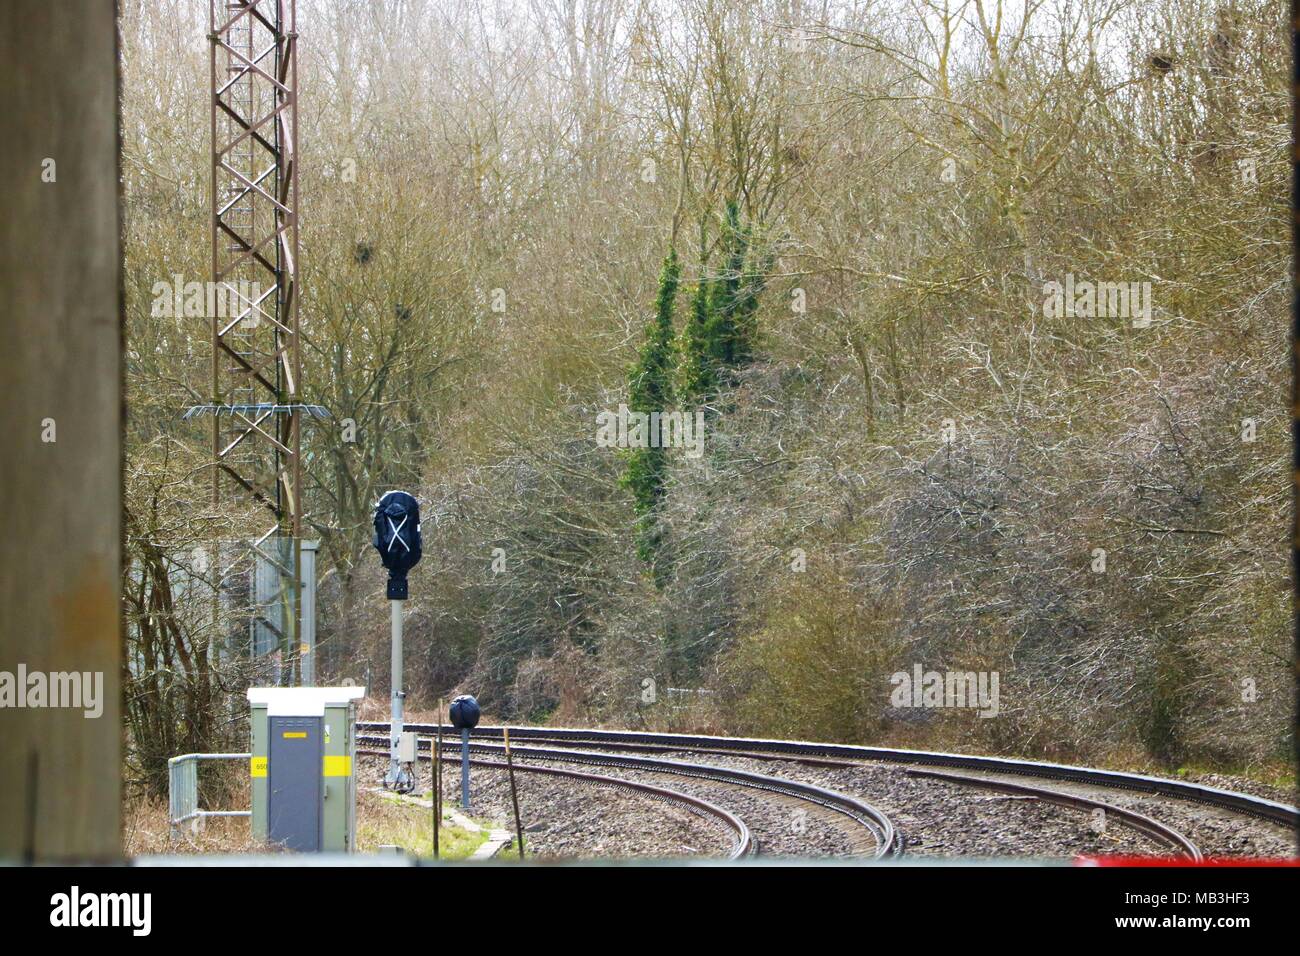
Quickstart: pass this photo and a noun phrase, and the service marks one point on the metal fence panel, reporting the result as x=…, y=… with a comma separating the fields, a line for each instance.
x=183, y=791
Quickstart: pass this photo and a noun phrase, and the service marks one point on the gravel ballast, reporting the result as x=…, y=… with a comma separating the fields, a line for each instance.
x=573, y=819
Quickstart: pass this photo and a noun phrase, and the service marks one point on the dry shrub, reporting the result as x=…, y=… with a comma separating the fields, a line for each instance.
x=818, y=664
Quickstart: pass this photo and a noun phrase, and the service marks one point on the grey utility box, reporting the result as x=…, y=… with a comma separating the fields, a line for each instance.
x=304, y=742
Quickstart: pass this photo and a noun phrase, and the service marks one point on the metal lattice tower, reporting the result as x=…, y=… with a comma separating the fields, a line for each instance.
x=256, y=361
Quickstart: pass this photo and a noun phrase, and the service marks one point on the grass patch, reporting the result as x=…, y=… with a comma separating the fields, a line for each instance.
x=382, y=820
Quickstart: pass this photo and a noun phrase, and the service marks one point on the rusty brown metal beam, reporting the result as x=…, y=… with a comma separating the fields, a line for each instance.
x=254, y=209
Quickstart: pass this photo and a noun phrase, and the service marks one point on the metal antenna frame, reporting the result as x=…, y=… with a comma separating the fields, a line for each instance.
x=256, y=357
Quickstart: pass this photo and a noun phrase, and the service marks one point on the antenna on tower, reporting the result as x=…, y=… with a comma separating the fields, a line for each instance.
x=256, y=402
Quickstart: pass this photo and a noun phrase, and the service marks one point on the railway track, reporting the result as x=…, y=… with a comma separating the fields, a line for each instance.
x=824, y=754
x=1154, y=829
x=742, y=841
x=884, y=836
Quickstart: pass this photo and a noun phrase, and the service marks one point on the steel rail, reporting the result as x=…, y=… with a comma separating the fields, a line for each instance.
x=889, y=842
x=742, y=839
x=1137, y=821
x=1246, y=804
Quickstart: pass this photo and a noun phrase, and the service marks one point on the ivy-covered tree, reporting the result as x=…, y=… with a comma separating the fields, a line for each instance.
x=650, y=389
x=721, y=333
x=698, y=375
x=729, y=346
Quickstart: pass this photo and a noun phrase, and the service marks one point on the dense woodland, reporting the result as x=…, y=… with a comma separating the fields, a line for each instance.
x=834, y=230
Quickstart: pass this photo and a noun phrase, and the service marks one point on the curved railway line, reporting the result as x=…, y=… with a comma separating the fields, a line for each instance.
x=1157, y=831
x=631, y=750
x=742, y=841
x=884, y=837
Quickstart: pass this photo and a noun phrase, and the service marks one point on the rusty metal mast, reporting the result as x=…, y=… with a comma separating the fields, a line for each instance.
x=256, y=358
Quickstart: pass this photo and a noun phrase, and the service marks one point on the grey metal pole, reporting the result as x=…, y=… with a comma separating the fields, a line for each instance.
x=307, y=599
x=395, y=765
x=464, y=768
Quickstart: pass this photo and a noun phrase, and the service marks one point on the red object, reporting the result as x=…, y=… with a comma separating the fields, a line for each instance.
x=1150, y=861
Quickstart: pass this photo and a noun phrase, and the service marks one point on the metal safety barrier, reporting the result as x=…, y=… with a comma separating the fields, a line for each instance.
x=183, y=791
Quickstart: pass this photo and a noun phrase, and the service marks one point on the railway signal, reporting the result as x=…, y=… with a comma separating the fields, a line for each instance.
x=464, y=712
x=397, y=539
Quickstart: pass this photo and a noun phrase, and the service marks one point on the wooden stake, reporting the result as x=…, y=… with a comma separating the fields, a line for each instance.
x=437, y=781
x=514, y=795
x=60, y=604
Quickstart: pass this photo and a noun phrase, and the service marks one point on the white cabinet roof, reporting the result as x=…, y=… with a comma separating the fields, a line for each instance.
x=302, y=701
